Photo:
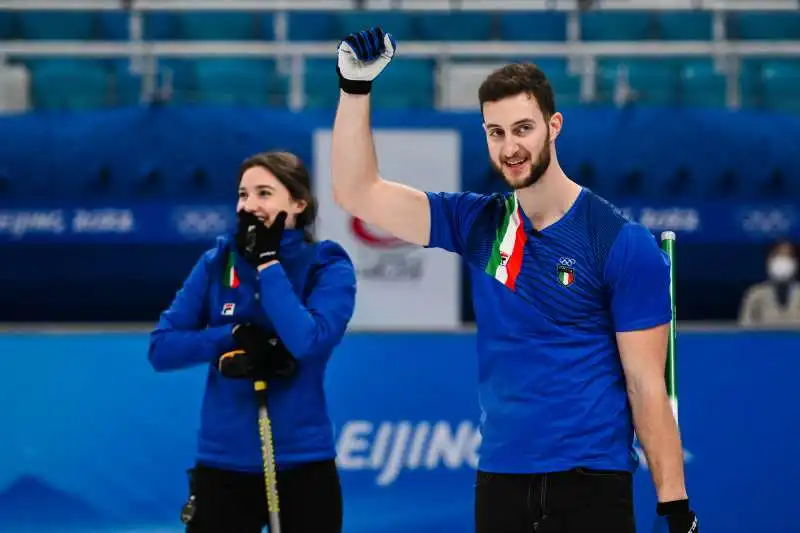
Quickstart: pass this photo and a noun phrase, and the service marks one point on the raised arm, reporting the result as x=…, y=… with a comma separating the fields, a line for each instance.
x=357, y=187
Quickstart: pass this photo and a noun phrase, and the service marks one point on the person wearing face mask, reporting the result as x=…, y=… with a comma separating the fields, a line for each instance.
x=266, y=303
x=775, y=302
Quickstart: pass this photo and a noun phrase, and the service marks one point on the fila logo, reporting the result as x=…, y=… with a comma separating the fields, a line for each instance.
x=227, y=309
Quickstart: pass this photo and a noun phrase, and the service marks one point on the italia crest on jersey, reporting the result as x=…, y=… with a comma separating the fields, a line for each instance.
x=566, y=272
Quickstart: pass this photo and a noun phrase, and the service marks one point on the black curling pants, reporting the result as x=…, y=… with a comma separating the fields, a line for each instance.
x=310, y=499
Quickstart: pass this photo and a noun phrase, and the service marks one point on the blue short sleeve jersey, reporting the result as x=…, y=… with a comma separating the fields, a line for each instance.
x=548, y=305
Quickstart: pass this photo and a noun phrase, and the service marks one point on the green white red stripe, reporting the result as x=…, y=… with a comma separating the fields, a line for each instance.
x=231, y=278
x=509, y=246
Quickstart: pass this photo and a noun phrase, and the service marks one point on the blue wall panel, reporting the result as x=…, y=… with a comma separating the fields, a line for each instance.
x=92, y=437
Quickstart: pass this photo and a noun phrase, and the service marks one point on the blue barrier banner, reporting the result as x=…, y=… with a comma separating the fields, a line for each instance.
x=720, y=223
x=166, y=223
x=146, y=223
x=94, y=440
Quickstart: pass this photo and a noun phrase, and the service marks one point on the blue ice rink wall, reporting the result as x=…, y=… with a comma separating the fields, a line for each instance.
x=92, y=438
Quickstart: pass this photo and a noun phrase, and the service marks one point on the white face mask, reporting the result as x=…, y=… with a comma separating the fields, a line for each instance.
x=782, y=267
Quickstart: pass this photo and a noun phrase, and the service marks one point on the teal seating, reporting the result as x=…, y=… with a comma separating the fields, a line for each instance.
x=701, y=85
x=239, y=82
x=533, y=26
x=652, y=81
x=219, y=26
x=57, y=25
x=781, y=85
x=766, y=26
x=408, y=84
x=617, y=26
x=685, y=25
x=321, y=84
x=69, y=85
x=7, y=24
x=456, y=26
x=313, y=26
x=399, y=24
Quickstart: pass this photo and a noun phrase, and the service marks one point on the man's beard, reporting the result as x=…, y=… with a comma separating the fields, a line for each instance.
x=539, y=166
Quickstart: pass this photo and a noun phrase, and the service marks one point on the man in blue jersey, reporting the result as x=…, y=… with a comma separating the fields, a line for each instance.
x=571, y=302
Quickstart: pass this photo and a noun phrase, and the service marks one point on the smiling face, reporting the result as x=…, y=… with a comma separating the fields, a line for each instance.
x=520, y=122
x=263, y=195
x=518, y=138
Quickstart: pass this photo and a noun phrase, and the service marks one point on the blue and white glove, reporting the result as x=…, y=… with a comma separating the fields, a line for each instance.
x=361, y=57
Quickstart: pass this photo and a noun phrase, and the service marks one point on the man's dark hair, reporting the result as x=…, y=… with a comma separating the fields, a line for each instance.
x=519, y=78
x=293, y=174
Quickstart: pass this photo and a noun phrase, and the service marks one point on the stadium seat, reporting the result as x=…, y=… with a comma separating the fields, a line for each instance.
x=399, y=24
x=321, y=84
x=779, y=25
x=126, y=85
x=69, y=85
x=218, y=26
x=781, y=85
x=455, y=26
x=160, y=26
x=566, y=86
x=408, y=84
x=533, y=26
x=180, y=76
x=6, y=25
x=685, y=25
x=265, y=27
x=114, y=26
x=701, y=85
x=617, y=26
x=57, y=25
x=750, y=83
x=313, y=26
x=652, y=81
x=240, y=82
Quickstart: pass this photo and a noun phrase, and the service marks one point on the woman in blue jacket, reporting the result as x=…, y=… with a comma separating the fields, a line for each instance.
x=278, y=283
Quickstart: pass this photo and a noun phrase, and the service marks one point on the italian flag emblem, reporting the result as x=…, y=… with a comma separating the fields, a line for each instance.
x=505, y=262
x=566, y=275
x=231, y=278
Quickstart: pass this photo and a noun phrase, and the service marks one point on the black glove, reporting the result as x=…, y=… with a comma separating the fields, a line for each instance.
x=259, y=356
x=680, y=517
x=257, y=243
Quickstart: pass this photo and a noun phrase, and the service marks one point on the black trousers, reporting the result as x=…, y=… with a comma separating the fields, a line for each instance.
x=310, y=499
x=575, y=501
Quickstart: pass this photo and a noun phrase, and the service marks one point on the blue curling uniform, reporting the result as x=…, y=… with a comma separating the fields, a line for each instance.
x=307, y=299
x=548, y=305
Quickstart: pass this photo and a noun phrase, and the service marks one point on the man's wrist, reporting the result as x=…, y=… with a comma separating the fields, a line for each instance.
x=671, y=495
x=267, y=264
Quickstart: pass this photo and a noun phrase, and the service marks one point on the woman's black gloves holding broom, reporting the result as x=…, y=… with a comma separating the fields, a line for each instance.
x=259, y=356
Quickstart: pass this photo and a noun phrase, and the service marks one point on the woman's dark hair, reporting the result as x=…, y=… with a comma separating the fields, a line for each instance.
x=293, y=174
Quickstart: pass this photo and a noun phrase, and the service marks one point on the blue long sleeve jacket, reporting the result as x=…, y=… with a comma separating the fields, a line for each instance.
x=307, y=300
